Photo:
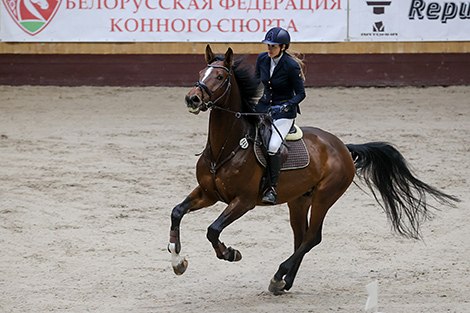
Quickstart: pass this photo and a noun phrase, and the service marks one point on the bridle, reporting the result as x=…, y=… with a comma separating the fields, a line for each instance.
x=203, y=87
x=214, y=164
x=212, y=104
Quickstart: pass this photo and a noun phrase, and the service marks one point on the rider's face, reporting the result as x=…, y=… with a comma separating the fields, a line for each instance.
x=274, y=50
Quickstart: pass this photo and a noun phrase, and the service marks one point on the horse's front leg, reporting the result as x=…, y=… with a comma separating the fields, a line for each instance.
x=236, y=209
x=198, y=199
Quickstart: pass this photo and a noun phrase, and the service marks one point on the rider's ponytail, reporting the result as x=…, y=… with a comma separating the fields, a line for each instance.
x=299, y=58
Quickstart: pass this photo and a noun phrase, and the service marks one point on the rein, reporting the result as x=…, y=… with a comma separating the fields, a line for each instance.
x=238, y=114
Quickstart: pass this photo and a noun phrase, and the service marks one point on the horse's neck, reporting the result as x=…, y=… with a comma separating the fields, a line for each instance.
x=226, y=130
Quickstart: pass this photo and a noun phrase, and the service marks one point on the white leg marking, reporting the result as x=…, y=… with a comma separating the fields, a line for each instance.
x=175, y=257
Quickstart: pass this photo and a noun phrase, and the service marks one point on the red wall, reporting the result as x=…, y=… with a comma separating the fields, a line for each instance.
x=426, y=69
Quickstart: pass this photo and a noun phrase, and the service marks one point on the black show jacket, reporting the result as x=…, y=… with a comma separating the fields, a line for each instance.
x=285, y=86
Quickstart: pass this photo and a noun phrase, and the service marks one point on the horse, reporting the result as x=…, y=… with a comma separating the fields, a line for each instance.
x=228, y=171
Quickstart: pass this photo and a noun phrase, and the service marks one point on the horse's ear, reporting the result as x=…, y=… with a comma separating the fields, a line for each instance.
x=228, y=61
x=209, y=54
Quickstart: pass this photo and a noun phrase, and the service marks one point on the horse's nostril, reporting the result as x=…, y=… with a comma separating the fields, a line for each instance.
x=195, y=99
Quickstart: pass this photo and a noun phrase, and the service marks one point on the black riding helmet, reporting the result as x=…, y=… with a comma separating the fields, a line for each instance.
x=277, y=36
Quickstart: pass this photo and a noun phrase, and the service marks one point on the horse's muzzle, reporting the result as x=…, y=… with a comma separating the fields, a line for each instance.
x=195, y=104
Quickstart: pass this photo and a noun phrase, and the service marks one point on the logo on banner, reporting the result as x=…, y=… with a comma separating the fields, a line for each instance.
x=379, y=26
x=435, y=11
x=32, y=16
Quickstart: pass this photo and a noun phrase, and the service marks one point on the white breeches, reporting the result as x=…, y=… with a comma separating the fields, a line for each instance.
x=283, y=126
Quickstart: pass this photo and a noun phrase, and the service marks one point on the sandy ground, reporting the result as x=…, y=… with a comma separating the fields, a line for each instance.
x=89, y=177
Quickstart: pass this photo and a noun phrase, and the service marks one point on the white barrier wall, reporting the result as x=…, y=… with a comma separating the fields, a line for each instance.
x=409, y=20
x=232, y=20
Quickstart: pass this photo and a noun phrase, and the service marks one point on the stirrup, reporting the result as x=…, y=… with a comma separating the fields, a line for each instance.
x=270, y=197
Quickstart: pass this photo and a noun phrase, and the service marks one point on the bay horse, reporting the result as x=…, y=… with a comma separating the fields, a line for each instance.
x=228, y=171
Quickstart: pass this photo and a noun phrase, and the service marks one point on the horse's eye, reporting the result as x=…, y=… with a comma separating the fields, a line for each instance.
x=220, y=77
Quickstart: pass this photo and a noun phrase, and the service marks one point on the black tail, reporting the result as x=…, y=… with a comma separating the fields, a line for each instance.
x=383, y=168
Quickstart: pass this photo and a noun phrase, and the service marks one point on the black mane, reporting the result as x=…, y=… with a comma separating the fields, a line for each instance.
x=247, y=85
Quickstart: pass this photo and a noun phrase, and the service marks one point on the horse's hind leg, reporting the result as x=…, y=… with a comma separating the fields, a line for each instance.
x=295, y=224
x=198, y=199
x=284, y=277
x=292, y=272
x=325, y=195
x=298, y=211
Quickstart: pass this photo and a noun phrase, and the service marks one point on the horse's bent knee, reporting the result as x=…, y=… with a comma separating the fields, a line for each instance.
x=213, y=234
x=178, y=212
x=181, y=209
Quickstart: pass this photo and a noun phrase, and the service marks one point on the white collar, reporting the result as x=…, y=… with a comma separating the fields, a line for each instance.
x=276, y=60
x=273, y=64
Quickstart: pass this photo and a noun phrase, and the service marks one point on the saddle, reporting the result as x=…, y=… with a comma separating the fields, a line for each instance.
x=294, y=153
x=295, y=133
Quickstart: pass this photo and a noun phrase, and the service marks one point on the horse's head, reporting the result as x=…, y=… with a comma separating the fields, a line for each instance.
x=214, y=83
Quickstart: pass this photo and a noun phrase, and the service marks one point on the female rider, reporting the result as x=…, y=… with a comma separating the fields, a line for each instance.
x=282, y=76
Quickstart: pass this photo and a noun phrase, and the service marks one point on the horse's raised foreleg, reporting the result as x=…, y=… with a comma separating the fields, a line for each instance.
x=234, y=210
x=198, y=199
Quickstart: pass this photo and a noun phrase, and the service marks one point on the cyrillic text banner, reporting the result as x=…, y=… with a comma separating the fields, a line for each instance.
x=171, y=20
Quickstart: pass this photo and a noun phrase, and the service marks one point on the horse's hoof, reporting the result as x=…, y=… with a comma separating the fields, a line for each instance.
x=276, y=287
x=181, y=267
x=237, y=256
x=232, y=255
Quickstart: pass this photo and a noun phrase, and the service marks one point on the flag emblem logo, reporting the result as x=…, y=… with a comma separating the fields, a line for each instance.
x=32, y=16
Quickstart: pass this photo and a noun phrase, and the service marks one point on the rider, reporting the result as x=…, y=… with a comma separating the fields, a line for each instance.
x=282, y=75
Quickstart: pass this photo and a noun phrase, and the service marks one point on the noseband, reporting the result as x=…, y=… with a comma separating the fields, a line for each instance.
x=203, y=87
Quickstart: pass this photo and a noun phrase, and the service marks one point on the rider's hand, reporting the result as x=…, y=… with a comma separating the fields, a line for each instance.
x=275, y=110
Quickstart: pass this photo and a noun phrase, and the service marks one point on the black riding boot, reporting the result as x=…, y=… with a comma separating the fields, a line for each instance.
x=274, y=168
